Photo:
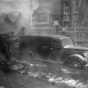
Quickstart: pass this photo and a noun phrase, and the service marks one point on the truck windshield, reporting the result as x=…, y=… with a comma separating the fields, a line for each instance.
x=67, y=41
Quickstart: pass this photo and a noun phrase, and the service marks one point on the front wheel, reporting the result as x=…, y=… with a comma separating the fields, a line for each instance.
x=75, y=63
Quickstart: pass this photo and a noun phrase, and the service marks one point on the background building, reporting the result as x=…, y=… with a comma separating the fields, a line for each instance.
x=70, y=11
x=47, y=12
x=45, y=16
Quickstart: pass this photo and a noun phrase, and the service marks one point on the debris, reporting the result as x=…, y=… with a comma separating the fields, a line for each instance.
x=17, y=67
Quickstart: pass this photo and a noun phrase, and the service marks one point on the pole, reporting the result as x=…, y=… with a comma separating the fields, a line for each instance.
x=31, y=13
x=39, y=2
x=75, y=35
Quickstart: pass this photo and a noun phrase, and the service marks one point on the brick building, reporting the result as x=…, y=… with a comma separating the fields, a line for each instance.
x=70, y=11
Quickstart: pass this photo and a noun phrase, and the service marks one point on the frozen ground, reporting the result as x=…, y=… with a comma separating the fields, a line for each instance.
x=32, y=74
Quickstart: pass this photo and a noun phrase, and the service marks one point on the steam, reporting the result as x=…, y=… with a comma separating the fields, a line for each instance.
x=23, y=6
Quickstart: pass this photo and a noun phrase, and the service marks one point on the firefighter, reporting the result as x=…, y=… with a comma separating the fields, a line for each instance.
x=10, y=37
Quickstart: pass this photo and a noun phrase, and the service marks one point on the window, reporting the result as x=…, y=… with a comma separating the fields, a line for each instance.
x=66, y=7
x=41, y=17
x=66, y=24
x=76, y=5
x=67, y=41
x=55, y=44
x=66, y=18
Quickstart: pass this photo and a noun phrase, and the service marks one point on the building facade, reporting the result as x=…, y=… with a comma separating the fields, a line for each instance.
x=45, y=16
x=70, y=10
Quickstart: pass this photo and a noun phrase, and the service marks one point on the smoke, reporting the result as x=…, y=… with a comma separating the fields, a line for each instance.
x=23, y=6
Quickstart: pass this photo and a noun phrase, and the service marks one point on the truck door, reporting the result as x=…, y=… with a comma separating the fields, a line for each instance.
x=56, y=49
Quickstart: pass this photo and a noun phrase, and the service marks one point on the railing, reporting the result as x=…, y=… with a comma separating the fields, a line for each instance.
x=80, y=36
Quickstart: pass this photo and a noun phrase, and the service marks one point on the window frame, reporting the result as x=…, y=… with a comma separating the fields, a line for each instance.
x=43, y=16
x=66, y=8
x=57, y=42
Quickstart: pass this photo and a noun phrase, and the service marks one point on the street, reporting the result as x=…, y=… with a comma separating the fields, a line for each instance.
x=39, y=75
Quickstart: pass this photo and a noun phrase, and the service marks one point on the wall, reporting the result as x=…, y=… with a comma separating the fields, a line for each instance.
x=73, y=13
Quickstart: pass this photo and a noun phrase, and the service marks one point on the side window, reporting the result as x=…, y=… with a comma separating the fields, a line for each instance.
x=55, y=44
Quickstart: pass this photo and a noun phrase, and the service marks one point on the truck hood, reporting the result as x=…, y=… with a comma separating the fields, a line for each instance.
x=76, y=47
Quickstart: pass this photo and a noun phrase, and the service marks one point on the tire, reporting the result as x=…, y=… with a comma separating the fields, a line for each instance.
x=74, y=62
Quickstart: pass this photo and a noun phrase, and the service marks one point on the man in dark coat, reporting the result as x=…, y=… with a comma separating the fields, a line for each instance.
x=8, y=41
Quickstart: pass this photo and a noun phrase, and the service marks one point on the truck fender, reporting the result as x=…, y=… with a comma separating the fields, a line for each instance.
x=78, y=56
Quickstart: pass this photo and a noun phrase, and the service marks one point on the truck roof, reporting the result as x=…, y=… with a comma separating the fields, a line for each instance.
x=48, y=35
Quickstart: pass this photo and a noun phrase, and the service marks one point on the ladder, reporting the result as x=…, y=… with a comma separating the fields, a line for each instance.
x=81, y=14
